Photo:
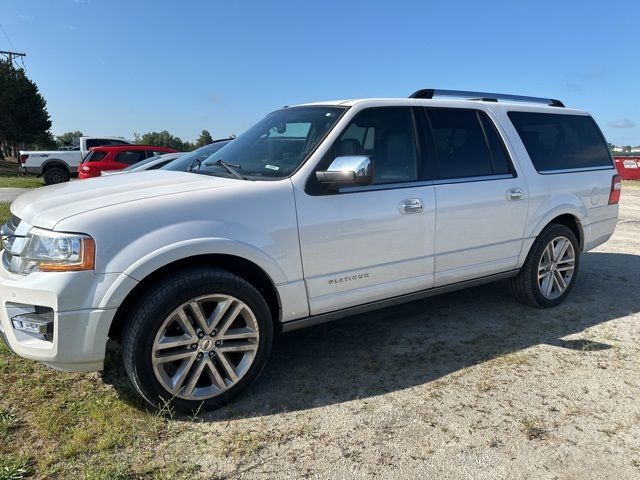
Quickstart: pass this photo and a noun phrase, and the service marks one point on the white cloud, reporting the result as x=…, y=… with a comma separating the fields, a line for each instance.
x=621, y=123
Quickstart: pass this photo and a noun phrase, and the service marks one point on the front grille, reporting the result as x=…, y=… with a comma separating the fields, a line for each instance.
x=12, y=243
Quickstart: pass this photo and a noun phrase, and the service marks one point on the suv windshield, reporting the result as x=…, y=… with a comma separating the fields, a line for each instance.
x=276, y=145
x=190, y=160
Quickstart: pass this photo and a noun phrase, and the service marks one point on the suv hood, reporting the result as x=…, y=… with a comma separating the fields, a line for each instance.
x=45, y=207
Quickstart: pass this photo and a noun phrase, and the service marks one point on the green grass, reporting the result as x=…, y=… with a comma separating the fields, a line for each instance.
x=10, y=176
x=21, y=182
x=63, y=425
x=630, y=183
x=5, y=213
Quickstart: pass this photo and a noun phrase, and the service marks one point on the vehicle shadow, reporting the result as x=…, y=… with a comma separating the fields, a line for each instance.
x=416, y=343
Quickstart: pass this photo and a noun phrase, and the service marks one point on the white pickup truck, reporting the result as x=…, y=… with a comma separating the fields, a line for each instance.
x=57, y=166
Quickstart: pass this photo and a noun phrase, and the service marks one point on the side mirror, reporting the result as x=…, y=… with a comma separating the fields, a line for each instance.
x=347, y=171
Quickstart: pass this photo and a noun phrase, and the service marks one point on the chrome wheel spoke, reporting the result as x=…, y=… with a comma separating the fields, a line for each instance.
x=199, y=316
x=183, y=321
x=228, y=369
x=173, y=357
x=181, y=374
x=215, y=377
x=238, y=347
x=219, y=313
x=166, y=343
x=560, y=281
x=239, y=334
x=195, y=377
x=205, y=346
x=555, y=269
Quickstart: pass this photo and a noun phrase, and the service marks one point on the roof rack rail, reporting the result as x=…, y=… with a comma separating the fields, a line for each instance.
x=429, y=93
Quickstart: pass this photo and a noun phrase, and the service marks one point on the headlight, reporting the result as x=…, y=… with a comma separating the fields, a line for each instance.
x=48, y=251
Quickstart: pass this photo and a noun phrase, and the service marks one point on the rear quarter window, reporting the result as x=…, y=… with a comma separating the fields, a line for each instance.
x=95, y=156
x=561, y=142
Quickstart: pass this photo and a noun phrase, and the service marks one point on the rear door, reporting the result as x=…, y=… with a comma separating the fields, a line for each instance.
x=481, y=200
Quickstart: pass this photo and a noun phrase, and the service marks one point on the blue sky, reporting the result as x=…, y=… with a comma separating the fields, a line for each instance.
x=116, y=67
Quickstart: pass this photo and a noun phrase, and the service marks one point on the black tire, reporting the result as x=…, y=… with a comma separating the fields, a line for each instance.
x=525, y=286
x=155, y=306
x=55, y=175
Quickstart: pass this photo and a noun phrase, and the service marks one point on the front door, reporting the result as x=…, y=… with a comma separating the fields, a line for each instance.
x=362, y=244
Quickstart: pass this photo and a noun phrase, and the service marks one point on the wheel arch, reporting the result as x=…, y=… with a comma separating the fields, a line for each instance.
x=55, y=162
x=244, y=268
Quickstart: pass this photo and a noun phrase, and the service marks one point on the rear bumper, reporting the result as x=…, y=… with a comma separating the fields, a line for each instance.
x=30, y=170
x=598, y=233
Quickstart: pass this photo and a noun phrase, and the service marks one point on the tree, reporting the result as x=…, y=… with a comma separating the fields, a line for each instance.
x=162, y=139
x=205, y=138
x=68, y=138
x=24, y=119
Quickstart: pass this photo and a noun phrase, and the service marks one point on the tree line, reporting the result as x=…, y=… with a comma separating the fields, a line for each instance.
x=25, y=122
x=157, y=139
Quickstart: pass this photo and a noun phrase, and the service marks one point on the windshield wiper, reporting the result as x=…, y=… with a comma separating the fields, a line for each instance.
x=194, y=164
x=229, y=167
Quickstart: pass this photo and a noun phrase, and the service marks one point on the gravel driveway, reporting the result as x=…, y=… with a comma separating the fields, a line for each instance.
x=466, y=385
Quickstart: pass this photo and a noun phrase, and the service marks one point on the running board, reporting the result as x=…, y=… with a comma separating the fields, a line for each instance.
x=409, y=297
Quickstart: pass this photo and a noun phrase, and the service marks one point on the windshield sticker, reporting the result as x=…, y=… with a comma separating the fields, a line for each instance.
x=272, y=167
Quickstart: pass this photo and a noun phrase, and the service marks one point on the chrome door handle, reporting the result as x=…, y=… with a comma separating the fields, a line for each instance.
x=515, y=193
x=411, y=205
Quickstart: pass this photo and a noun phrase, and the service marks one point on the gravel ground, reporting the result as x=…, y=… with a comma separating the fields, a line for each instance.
x=465, y=385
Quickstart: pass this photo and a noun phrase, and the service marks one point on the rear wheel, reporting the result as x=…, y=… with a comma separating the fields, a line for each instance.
x=197, y=339
x=548, y=274
x=55, y=175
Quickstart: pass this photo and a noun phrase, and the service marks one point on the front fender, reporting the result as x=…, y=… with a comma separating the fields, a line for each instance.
x=188, y=248
x=202, y=246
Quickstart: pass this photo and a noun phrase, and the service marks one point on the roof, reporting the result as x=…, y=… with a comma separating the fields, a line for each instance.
x=456, y=98
x=446, y=103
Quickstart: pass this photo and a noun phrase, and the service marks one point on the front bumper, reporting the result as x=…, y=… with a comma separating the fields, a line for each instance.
x=79, y=329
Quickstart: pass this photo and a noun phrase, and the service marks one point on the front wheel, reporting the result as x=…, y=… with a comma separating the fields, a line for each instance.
x=197, y=339
x=548, y=274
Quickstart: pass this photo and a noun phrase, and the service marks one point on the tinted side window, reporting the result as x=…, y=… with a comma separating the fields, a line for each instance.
x=95, y=156
x=131, y=156
x=558, y=141
x=461, y=149
x=387, y=136
x=111, y=141
x=90, y=143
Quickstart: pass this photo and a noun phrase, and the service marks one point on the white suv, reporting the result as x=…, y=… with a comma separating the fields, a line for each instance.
x=317, y=212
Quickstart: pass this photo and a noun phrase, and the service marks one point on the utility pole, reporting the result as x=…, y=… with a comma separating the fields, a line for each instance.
x=11, y=55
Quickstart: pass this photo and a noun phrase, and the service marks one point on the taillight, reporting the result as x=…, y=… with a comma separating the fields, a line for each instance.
x=616, y=188
x=23, y=158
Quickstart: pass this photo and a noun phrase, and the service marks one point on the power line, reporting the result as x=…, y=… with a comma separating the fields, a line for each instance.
x=7, y=37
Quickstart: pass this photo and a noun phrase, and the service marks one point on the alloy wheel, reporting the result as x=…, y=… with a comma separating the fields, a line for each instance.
x=556, y=267
x=205, y=346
